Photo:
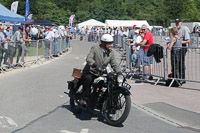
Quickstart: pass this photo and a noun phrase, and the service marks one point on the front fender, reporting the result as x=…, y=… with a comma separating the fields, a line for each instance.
x=123, y=90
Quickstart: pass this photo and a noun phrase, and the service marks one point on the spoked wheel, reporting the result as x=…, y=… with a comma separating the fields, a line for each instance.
x=115, y=113
x=74, y=105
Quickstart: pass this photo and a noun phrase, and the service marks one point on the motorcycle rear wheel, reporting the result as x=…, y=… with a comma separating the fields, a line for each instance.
x=75, y=108
x=122, y=105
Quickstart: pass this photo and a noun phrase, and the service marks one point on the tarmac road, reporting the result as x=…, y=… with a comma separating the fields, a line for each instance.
x=32, y=101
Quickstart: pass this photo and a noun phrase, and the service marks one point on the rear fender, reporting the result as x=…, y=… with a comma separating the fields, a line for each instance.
x=70, y=84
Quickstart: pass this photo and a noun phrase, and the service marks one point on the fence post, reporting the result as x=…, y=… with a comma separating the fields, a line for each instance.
x=197, y=40
x=128, y=55
x=37, y=49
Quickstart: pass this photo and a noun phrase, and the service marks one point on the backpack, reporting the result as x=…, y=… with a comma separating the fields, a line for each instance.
x=168, y=81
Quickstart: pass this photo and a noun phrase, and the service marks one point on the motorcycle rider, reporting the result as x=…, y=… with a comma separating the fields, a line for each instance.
x=99, y=56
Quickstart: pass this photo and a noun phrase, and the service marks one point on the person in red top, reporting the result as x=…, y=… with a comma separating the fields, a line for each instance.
x=148, y=60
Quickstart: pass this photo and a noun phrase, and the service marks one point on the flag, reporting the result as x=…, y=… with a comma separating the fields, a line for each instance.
x=26, y=9
x=71, y=20
x=14, y=6
x=30, y=16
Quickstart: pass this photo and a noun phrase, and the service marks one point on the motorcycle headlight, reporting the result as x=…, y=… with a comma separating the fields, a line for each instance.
x=120, y=78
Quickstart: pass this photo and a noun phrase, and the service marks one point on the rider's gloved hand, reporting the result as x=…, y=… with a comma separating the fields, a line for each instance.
x=119, y=73
x=99, y=69
x=96, y=67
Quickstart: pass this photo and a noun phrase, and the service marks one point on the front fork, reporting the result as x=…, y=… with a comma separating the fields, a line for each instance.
x=110, y=98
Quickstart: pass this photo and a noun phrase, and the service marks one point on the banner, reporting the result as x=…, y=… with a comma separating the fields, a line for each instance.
x=14, y=6
x=26, y=9
x=71, y=20
x=30, y=16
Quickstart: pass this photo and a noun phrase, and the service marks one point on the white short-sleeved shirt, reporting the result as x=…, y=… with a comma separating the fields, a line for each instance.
x=125, y=33
x=34, y=31
x=138, y=40
x=50, y=35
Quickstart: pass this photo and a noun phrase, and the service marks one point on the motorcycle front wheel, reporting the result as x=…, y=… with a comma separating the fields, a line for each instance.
x=117, y=111
x=74, y=105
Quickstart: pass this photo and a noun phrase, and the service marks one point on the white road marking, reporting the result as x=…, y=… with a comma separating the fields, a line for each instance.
x=158, y=115
x=84, y=130
x=77, y=58
x=61, y=96
x=137, y=84
x=6, y=122
x=84, y=63
x=65, y=131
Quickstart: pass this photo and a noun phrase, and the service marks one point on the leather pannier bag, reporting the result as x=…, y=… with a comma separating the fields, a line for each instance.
x=77, y=73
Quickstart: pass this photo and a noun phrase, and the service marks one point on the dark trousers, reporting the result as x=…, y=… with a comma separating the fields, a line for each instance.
x=5, y=57
x=87, y=80
x=176, y=63
x=34, y=37
x=19, y=48
x=182, y=67
x=11, y=53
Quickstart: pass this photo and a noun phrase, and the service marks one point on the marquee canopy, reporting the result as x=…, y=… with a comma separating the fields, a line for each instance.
x=125, y=23
x=91, y=22
x=7, y=15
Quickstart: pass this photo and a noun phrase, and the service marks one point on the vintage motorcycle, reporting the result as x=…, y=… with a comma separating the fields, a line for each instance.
x=109, y=94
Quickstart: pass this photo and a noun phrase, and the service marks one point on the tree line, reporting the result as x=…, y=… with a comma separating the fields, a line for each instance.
x=156, y=12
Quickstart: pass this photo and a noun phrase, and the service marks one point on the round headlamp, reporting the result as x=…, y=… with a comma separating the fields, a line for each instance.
x=120, y=78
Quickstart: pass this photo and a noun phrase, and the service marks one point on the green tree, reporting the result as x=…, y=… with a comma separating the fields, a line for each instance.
x=190, y=12
x=156, y=12
x=3, y=2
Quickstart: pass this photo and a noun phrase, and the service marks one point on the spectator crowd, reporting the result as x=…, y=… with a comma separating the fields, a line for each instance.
x=141, y=40
x=15, y=39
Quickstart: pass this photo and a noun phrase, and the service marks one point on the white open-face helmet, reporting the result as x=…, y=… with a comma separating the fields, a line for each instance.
x=107, y=38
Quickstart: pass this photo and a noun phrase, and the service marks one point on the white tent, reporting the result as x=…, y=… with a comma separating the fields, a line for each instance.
x=190, y=25
x=125, y=23
x=91, y=22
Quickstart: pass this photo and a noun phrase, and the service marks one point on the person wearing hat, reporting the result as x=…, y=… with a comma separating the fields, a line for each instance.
x=99, y=57
x=48, y=42
x=148, y=60
x=134, y=56
x=8, y=32
x=185, y=36
x=55, y=43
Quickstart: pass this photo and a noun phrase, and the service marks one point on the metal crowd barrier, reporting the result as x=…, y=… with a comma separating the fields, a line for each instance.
x=183, y=65
x=163, y=68
x=135, y=63
x=194, y=40
x=90, y=37
x=31, y=52
x=169, y=67
x=160, y=38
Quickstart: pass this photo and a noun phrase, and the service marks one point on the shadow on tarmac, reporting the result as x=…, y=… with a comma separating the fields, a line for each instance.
x=161, y=83
x=89, y=115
